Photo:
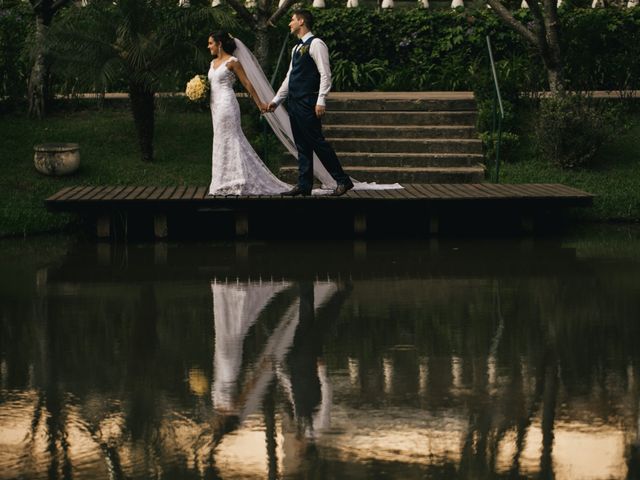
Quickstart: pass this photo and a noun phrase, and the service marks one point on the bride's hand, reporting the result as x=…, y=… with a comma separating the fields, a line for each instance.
x=264, y=108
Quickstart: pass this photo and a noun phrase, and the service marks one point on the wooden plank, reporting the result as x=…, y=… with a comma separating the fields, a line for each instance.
x=201, y=192
x=411, y=190
x=462, y=190
x=514, y=191
x=494, y=191
x=357, y=194
x=385, y=194
x=426, y=190
x=167, y=193
x=92, y=194
x=105, y=191
x=189, y=192
x=479, y=192
x=136, y=191
x=144, y=193
x=396, y=193
x=148, y=193
x=440, y=190
x=554, y=190
x=78, y=194
x=122, y=194
x=177, y=194
x=540, y=190
x=61, y=193
x=465, y=190
x=71, y=194
x=403, y=193
x=368, y=194
x=421, y=191
x=111, y=195
x=155, y=194
x=509, y=191
x=576, y=191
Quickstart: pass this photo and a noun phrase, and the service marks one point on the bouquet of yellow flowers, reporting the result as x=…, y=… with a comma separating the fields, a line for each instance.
x=197, y=88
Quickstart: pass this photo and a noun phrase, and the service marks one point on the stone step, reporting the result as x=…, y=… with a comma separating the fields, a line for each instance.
x=399, y=104
x=466, y=118
x=371, y=159
x=473, y=174
x=407, y=131
x=403, y=145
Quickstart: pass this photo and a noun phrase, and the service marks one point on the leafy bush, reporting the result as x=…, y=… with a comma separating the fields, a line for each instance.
x=351, y=76
x=570, y=129
x=420, y=49
x=509, y=143
x=15, y=24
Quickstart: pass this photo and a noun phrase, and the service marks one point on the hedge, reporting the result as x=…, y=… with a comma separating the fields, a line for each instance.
x=416, y=49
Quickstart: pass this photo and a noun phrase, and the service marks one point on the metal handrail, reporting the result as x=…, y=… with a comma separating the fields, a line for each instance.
x=497, y=102
x=265, y=131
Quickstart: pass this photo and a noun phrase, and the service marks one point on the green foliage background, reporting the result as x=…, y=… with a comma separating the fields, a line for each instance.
x=407, y=49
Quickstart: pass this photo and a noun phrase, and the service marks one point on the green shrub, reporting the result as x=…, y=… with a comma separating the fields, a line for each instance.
x=350, y=76
x=570, y=129
x=509, y=143
x=15, y=25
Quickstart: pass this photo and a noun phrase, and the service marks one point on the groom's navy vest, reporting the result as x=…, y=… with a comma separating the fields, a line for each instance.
x=304, y=79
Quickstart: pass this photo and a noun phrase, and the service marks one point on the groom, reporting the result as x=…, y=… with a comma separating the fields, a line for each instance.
x=305, y=88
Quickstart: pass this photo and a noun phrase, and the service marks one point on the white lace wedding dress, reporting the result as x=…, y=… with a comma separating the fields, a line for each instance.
x=236, y=169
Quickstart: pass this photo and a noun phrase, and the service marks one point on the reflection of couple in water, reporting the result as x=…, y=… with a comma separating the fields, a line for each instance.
x=291, y=355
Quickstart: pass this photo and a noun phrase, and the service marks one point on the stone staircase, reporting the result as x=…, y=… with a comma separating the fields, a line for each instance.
x=412, y=137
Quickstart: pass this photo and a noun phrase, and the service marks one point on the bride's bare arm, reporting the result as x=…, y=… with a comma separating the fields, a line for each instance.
x=237, y=68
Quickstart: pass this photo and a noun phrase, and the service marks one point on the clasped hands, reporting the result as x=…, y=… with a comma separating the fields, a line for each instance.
x=268, y=107
x=271, y=107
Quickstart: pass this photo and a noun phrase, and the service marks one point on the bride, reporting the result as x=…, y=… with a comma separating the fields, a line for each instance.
x=236, y=168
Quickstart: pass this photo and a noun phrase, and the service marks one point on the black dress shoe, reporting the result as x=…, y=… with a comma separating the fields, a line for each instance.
x=295, y=191
x=341, y=189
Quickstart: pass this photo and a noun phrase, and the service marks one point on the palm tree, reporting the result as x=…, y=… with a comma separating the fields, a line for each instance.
x=137, y=43
x=38, y=91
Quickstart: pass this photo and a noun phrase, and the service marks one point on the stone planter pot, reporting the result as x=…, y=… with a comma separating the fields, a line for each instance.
x=57, y=158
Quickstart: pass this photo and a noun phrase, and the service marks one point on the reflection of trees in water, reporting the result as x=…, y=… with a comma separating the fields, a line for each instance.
x=549, y=326
x=504, y=367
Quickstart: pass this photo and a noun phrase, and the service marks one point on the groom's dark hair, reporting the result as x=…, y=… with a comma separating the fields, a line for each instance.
x=306, y=15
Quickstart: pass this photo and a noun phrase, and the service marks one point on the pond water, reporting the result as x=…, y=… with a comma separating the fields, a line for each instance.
x=441, y=359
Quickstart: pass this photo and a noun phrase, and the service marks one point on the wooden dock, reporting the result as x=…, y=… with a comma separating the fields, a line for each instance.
x=425, y=206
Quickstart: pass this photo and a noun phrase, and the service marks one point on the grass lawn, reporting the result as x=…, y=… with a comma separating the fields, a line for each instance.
x=614, y=176
x=109, y=155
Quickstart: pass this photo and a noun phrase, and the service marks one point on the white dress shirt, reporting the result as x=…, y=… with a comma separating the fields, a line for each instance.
x=320, y=55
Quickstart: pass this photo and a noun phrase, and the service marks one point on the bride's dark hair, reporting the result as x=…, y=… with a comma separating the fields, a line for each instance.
x=228, y=43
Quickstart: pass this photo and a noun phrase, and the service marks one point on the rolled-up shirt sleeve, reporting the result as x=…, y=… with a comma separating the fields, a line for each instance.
x=320, y=54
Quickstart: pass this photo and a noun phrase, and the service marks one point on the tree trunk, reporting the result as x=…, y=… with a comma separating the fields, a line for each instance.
x=262, y=45
x=37, y=88
x=143, y=108
x=555, y=82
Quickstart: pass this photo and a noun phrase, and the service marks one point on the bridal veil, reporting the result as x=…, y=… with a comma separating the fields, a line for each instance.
x=281, y=125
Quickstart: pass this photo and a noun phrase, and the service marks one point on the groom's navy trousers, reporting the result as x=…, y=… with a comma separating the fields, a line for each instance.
x=307, y=133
